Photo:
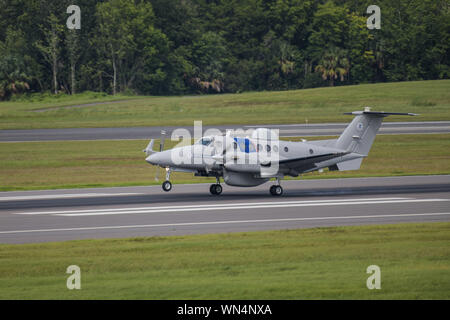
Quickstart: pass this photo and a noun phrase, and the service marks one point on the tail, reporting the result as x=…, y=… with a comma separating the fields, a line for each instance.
x=359, y=135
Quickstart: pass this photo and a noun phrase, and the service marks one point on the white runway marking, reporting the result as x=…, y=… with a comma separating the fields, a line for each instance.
x=233, y=206
x=63, y=196
x=226, y=222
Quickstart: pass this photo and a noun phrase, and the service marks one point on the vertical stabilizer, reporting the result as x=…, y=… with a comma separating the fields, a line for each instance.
x=359, y=135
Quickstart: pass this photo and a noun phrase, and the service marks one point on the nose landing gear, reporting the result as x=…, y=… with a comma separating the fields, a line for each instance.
x=167, y=185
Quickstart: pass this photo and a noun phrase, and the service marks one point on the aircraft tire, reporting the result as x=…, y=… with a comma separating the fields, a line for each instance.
x=167, y=186
x=215, y=189
x=218, y=189
x=212, y=189
x=276, y=190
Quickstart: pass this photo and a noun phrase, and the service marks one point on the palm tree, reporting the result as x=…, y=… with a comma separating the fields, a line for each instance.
x=333, y=64
x=13, y=78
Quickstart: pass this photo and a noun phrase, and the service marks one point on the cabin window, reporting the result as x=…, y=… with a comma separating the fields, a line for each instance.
x=242, y=145
x=286, y=149
x=251, y=146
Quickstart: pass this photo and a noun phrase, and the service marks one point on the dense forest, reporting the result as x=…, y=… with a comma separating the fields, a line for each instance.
x=170, y=47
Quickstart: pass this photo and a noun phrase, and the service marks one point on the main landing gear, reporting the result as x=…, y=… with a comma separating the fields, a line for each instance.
x=216, y=189
x=167, y=185
x=276, y=190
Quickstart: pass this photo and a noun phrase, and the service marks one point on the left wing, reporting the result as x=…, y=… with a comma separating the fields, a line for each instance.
x=306, y=163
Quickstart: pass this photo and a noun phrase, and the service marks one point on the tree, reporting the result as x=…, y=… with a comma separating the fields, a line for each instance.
x=51, y=49
x=128, y=38
x=210, y=58
x=329, y=28
x=16, y=66
x=333, y=64
x=73, y=50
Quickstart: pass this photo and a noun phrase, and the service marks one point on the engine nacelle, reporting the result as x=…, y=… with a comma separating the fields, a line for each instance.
x=240, y=179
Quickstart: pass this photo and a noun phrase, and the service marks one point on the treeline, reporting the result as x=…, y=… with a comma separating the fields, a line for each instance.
x=210, y=46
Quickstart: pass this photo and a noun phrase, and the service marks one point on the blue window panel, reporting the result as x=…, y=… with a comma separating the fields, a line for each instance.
x=245, y=145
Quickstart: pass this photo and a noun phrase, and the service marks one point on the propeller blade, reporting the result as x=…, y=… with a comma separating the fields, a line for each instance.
x=157, y=173
x=163, y=138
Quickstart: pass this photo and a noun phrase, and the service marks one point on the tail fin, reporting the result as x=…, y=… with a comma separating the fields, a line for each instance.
x=359, y=135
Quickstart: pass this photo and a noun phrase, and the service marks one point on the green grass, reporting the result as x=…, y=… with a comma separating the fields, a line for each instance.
x=319, y=263
x=75, y=164
x=431, y=99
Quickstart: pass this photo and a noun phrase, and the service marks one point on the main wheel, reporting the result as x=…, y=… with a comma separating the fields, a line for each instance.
x=215, y=189
x=167, y=186
x=218, y=189
x=276, y=190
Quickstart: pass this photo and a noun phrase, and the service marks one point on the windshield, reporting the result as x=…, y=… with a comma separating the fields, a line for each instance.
x=204, y=141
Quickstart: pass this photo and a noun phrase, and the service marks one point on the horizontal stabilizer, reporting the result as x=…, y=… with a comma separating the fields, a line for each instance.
x=381, y=113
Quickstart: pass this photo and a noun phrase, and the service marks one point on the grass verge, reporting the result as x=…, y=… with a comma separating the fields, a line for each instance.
x=319, y=263
x=431, y=99
x=76, y=164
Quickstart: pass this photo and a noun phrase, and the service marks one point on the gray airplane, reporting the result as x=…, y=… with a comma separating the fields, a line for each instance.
x=248, y=159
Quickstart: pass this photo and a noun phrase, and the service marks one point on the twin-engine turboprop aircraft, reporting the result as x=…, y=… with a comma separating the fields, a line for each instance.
x=251, y=158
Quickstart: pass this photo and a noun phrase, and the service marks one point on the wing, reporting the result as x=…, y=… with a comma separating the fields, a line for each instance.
x=307, y=163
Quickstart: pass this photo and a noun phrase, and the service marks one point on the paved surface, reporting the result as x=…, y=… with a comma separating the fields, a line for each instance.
x=301, y=130
x=38, y=216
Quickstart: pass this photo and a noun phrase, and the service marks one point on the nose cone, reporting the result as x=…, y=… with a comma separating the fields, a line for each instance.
x=159, y=158
x=153, y=159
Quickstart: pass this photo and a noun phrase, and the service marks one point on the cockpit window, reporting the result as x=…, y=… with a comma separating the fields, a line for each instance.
x=204, y=141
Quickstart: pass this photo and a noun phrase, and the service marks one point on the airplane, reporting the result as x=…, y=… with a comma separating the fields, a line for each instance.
x=248, y=159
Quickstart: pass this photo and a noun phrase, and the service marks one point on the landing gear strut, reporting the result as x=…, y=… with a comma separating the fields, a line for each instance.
x=276, y=190
x=216, y=189
x=167, y=185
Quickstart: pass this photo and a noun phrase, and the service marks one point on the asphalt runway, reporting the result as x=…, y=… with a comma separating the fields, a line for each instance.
x=56, y=215
x=286, y=130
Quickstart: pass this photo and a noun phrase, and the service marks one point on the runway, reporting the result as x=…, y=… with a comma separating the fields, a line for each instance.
x=286, y=130
x=56, y=215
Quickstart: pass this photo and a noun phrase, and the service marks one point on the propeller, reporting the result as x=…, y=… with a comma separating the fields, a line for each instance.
x=163, y=138
x=161, y=148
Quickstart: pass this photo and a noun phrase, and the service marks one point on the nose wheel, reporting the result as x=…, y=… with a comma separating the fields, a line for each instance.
x=167, y=186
